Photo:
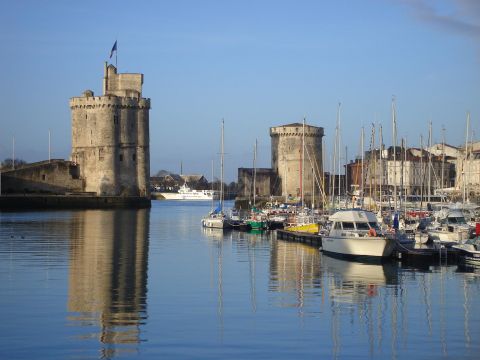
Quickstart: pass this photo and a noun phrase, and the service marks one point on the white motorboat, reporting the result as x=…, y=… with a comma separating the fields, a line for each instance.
x=186, y=193
x=357, y=233
x=470, y=251
x=451, y=228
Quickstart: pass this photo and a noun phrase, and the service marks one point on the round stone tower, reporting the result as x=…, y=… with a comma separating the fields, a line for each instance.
x=288, y=162
x=110, y=136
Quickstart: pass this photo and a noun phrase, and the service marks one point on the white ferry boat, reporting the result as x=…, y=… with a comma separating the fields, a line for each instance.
x=186, y=193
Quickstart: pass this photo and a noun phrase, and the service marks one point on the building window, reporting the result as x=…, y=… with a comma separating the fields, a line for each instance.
x=134, y=157
x=100, y=155
x=44, y=177
x=121, y=157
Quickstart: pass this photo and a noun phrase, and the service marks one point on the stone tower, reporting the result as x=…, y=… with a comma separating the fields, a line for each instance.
x=287, y=158
x=110, y=136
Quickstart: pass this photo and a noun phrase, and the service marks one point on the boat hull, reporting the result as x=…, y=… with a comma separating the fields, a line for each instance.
x=257, y=225
x=308, y=228
x=468, y=253
x=187, y=197
x=358, y=246
x=216, y=223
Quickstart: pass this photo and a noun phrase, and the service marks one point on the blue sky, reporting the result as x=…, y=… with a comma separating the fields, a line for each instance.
x=256, y=64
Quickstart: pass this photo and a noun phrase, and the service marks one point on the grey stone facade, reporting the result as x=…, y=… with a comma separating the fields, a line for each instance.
x=287, y=159
x=110, y=136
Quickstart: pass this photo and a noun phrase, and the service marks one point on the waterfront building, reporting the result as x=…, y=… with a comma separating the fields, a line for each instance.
x=412, y=171
x=110, y=136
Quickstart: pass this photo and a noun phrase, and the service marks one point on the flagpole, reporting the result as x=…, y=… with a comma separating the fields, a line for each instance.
x=116, y=54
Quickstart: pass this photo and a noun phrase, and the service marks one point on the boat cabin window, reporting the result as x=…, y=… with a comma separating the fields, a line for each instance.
x=348, y=226
x=337, y=226
x=362, y=226
x=456, y=220
x=374, y=225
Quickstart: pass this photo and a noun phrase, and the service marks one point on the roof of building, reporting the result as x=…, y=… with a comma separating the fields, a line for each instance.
x=192, y=178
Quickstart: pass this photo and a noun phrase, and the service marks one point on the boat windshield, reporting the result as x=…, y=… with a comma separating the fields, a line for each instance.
x=457, y=220
x=348, y=226
x=362, y=226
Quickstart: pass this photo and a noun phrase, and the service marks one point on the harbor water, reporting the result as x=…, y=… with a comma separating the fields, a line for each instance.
x=152, y=283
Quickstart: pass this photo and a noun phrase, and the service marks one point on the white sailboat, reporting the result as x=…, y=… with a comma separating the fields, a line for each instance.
x=216, y=218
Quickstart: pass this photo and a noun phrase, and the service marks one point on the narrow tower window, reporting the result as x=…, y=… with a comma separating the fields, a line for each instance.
x=121, y=157
x=134, y=157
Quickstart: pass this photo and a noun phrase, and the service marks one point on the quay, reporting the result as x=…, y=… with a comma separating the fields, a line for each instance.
x=301, y=237
x=424, y=253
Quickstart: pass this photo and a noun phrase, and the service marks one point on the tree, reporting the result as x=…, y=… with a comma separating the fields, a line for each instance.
x=7, y=164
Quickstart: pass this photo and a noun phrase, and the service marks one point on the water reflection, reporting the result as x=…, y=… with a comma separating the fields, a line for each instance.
x=355, y=282
x=108, y=276
x=295, y=273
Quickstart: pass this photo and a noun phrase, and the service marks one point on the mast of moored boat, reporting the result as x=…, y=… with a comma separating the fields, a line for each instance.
x=381, y=164
x=465, y=159
x=254, y=171
x=221, y=167
x=303, y=163
x=362, y=181
x=394, y=140
x=429, y=188
x=443, y=157
x=339, y=152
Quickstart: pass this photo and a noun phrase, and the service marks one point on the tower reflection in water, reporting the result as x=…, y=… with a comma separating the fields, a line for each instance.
x=108, y=277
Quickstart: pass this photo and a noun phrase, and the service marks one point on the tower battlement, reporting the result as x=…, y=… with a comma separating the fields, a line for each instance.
x=296, y=130
x=109, y=101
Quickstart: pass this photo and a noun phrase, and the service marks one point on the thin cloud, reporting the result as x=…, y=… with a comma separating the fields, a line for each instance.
x=458, y=16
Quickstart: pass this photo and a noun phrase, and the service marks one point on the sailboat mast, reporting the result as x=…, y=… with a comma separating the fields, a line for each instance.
x=303, y=163
x=313, y=189
x=221, y=168
x=421, y=171
x=429, y=189
x=212, y=184
x=394, y=140
x=362, y=145
x=443, y=157
x=254, y=171
x=346, y=169
x=381, y=165
x=465, y=159
x=339, y=152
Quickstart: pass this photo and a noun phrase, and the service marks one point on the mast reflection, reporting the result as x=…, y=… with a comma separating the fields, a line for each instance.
x=108, y=276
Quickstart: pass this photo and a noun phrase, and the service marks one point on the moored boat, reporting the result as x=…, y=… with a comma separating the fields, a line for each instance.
x=357, y=233
x=470, y=251
x=450, y=228
x=186, y=193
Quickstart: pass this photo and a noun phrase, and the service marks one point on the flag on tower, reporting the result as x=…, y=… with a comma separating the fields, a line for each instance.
x=114, y=48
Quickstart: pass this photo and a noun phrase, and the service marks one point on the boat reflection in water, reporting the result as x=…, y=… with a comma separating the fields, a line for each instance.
x=354, y=282
x=108, y=277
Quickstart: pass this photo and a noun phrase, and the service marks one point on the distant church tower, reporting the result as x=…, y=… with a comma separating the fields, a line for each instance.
x=287, y=159
x=110, y=136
